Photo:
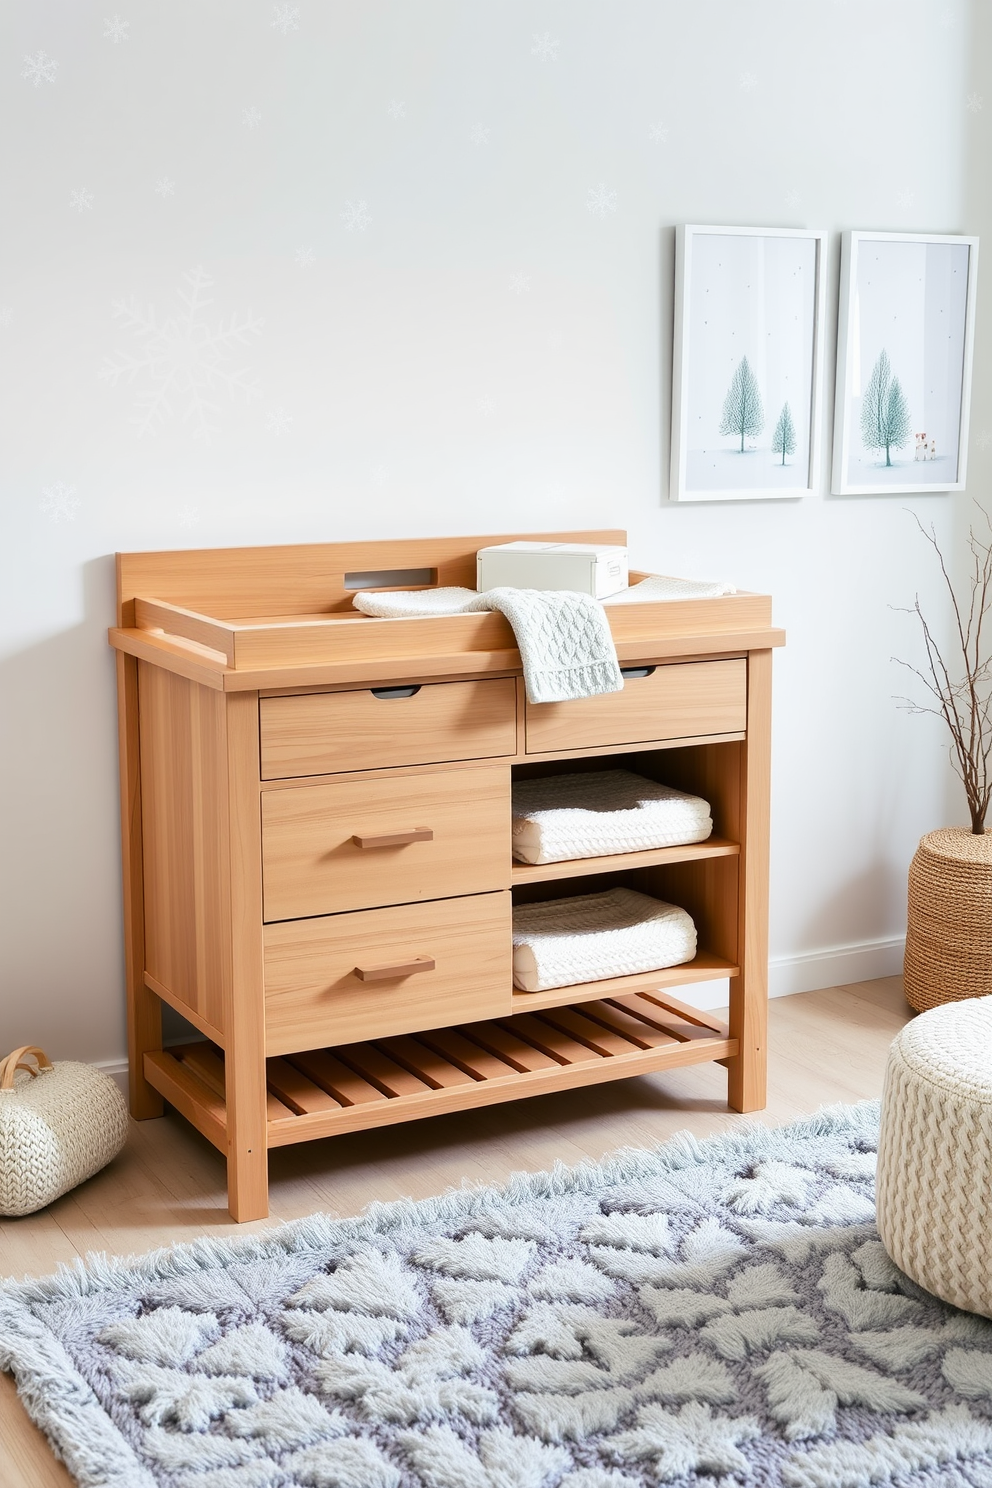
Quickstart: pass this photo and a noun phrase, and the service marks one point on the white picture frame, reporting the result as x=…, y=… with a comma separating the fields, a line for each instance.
x=749, y=313
x=905, y=343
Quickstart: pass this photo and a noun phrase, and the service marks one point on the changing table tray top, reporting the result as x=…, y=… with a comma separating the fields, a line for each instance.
x=246, y=619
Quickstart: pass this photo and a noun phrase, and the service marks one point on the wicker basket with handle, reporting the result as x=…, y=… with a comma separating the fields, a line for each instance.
x=59, y=1124
x=949, y=929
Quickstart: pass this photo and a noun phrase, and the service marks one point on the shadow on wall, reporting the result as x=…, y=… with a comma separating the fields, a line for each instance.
x=61, y=961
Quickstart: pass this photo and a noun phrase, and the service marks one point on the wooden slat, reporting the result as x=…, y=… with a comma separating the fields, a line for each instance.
x=642, y=1007
x=207, y=1064
x=293, y=1088
x=706, y=1020
x=460, y=1051
x=191, y=1098
x=381, y=1071
x=150, y=614
x=611, y=1016
x=592, y=1071
x=336, y=1078
x=592, y=1035
x=562, y=1049
x=505, y=1045
x=713, y=847
x=437, y=1072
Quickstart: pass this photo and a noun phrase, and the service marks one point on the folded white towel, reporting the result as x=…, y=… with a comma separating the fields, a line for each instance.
x=566, y=645
x=588, y=937
x=603, y=811
x=656, y=586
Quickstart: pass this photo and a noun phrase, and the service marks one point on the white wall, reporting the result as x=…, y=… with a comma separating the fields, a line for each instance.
x=486, y=354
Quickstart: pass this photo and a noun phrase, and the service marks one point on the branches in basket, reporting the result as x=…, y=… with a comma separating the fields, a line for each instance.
x=960, y=683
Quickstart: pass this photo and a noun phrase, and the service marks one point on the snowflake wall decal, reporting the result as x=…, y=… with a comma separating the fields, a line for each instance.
x=285, y=18
x=974, y=103
x=984, y=440
x=189, y=516
x=164, y=187
x=251, y=117
x=304, y=257
x=906, y=198
x=82, y=200
x=279, y=421
x=356, y=216
x=184, y=361
x=479, y=135
x=658, y=133
x=545, y=46
x=792, y=198
x=379, y=475
x=396, y=109
x=115, y=29
x=601, y=202
x=60, y=502
x=41, y=68
x=748, y=82
x=486, y=406
x=520, y=283
x=6, y=314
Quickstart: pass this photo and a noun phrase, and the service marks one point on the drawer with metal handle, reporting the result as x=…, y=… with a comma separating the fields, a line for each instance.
x=378, y=972
x=339, y=846
x=323, y=733
x=674, y=700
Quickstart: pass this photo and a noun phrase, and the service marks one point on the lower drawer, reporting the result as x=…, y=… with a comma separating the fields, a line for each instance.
x=385, y=971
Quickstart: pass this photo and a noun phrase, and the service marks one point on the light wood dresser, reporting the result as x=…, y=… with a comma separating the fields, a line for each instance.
x=316, y=837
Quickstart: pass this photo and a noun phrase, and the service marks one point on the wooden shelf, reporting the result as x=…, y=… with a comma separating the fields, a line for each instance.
x=322, y=1092
x=703, y=968
x=689, y=852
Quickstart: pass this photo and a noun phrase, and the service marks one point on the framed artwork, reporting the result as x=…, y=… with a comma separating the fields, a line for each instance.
x=904, y=352
x=748, y=355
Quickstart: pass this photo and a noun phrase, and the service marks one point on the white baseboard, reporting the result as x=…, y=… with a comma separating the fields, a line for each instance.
x=834, y=966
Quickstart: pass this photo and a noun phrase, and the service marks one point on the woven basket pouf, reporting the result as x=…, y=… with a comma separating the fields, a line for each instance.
x=934, y=1192
x=949, y=930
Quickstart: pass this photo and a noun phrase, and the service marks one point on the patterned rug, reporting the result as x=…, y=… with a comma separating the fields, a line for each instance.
x=708, y=1313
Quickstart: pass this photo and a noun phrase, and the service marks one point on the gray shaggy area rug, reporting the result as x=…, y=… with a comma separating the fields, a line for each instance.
x=717, y=1312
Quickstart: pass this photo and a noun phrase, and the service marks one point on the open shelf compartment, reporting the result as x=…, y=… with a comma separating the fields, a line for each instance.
x=322, y=1092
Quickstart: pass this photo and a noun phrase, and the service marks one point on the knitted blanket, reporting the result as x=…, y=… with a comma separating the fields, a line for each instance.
x=564, y=637
x=560, y=942
x=600, y=812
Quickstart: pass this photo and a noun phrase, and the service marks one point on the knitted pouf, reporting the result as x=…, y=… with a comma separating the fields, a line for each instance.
x=934, y=1191
x=949, y=930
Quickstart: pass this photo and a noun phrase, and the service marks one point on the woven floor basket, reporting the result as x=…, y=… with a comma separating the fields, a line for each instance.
x=949, y=934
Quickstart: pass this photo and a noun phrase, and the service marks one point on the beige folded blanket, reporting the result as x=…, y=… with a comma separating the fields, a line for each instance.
x=595, y=813
x=587, y=937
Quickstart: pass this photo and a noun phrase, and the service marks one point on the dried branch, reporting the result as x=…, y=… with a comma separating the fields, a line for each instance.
x=960, y=685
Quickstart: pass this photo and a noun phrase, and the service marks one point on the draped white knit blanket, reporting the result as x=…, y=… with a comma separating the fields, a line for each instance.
x=565, y=642
x=560, y=942
x=601, y=812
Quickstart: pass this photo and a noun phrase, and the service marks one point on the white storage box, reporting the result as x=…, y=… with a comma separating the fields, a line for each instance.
x=583, y=567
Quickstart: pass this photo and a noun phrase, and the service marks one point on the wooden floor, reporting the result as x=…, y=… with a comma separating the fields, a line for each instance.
x=168, y=1184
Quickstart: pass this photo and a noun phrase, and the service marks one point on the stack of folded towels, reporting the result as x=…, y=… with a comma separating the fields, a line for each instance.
x=600, y=812
x=588, y=937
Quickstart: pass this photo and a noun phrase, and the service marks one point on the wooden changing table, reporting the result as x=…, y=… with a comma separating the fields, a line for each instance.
x=316, y=839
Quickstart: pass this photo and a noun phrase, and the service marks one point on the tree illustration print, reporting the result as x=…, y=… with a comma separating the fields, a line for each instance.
x=885, y=420
x=784, y=438
x=743, y=412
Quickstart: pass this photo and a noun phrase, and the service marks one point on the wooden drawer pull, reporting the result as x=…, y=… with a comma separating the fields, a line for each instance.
x=399, y=969
x=394, y=839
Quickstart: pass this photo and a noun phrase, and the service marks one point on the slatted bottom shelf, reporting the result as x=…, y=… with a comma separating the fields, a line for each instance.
x=353, y=1086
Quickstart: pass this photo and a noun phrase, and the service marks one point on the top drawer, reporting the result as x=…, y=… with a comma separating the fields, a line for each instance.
x=321, y=733
x=679, y=700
